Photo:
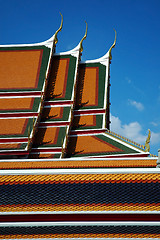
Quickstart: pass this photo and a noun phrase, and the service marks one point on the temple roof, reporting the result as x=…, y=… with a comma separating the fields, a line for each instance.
x=53, y=105
x=63, y=173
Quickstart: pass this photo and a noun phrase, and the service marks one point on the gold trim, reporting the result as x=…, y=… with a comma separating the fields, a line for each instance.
x=81, y=47
x=148, y=141
x=113, y=45
x=126, y=140
x=60, y=28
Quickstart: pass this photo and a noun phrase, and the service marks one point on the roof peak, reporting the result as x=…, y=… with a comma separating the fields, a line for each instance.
x=113, y=45
x=59, y=29
x=84, y=37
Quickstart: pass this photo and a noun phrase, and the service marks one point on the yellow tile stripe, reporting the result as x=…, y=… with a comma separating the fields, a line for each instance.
x=76, y=178
x=90, y=235
x=81, y=207
x=74, y=164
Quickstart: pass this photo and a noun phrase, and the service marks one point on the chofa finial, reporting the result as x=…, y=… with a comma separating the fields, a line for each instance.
x=148, y=141
x=81, y=47
x=113, y=45
x=60, y=28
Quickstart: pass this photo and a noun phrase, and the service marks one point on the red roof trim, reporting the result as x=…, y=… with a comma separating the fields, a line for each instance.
x=9, y=115
x=13, y=140
x=80, y=217
x=20, y=94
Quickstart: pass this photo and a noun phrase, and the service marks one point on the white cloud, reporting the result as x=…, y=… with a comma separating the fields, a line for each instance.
x=155, y=124
x=133, y=131
x=139, y=106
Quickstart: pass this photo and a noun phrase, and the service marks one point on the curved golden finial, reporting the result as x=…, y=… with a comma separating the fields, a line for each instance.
x=85, y=35
x=60, y=28
x=113, y=45
x=148, y=141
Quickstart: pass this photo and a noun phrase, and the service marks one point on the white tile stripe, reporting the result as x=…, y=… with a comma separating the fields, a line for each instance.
x=102, y=223
x=81, y=171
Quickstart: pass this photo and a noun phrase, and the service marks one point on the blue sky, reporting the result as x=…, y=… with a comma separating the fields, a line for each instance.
x=135, y=68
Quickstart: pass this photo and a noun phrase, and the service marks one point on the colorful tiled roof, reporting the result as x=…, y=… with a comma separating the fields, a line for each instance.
x=63, y=173
x=59, y=104
x=76, y=191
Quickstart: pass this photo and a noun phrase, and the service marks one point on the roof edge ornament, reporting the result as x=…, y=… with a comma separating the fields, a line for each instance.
x=113, y=45
x=148, y=141
x=85, y=35
x=59, y=29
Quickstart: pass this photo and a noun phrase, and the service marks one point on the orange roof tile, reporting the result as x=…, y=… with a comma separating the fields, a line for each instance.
x=20, y=69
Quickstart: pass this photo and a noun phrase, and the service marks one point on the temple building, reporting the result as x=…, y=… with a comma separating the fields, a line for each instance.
x=63, y=173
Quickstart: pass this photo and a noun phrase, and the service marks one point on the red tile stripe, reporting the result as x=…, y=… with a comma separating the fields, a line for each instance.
x=15, y=140
x=20, y=94
x=9, y=115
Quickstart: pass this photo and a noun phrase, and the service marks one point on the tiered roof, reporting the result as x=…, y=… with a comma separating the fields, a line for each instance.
x=59, y=104
x=56, y=116
x=63, y=173
x=23, y=74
